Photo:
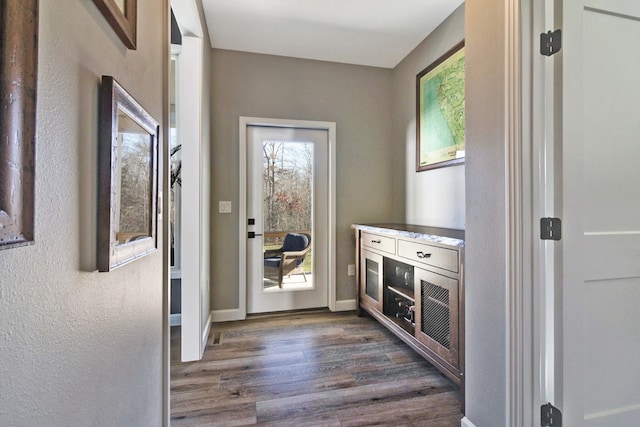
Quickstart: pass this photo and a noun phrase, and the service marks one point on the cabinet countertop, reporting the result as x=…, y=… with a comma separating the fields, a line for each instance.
x=445, y=236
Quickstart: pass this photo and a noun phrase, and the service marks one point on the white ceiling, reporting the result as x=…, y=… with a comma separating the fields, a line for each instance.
x=366, y=32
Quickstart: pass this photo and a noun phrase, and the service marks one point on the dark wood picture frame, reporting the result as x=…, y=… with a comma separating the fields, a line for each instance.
x=122, y=18
x=18, y=84
x=436, y=146
x=125, y=127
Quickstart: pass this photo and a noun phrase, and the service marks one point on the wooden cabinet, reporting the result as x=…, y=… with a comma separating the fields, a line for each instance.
x=410, y=278
x=379, y=243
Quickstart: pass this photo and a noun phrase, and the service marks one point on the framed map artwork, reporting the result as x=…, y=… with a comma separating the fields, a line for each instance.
x=128, y=141
x=440, y=112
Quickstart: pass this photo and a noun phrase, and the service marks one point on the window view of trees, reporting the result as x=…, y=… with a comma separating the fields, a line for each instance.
x=287, y=185
x=135, y=183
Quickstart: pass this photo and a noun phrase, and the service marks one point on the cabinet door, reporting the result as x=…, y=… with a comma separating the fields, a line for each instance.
x=371, y=280
x=437, y=314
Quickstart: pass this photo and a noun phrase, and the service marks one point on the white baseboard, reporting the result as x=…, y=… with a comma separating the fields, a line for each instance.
x=345, y=305
x=465, y=422
x=175, y=319
x=226, y=315
x=231, y=315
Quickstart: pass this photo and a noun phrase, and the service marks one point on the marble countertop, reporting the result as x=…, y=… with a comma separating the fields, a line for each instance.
x=445, y=236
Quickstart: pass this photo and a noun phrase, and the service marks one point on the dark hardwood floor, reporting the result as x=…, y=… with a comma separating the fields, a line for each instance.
x=309, y=369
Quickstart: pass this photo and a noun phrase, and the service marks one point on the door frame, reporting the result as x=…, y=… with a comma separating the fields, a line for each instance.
x=530, y=105
x=195, y=291
x=523, y=182
x=517, y=331
x=330, y=127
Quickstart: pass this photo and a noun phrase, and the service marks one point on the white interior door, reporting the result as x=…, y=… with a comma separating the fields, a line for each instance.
x=598, y=272
x=287, y=178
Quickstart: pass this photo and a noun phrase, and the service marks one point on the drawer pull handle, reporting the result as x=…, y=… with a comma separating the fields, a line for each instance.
x=422, y=255
x=376, y=241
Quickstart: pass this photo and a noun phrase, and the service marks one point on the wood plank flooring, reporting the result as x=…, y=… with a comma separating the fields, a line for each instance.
x=309, y=369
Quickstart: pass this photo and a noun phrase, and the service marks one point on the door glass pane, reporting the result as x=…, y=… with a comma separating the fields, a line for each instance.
x=287, y=183
x=372, y=279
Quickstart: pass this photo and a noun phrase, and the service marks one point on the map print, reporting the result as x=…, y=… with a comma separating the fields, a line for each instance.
x=441, y=113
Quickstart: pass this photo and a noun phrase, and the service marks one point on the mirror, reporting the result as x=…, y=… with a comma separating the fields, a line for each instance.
x=128, y=178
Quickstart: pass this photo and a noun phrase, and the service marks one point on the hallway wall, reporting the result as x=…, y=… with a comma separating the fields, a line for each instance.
x=78, y=347
x=486, y=286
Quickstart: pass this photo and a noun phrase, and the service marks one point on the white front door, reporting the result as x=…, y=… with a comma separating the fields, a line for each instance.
x=597, y=272
x=287, y=192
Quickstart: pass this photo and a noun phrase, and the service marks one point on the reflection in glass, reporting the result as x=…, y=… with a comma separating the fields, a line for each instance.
x=135, y=154
x=175, y=184
x=175, y=196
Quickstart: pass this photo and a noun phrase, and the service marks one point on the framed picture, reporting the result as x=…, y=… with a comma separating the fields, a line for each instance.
x=440, y=112
x=18, y=72
x=128, y=178
x=122, y=16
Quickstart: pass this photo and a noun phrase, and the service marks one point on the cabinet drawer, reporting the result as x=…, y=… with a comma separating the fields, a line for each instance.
x=430, y=255
x=381, y=243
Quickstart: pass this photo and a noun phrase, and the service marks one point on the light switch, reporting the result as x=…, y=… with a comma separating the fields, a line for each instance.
x=224, y=207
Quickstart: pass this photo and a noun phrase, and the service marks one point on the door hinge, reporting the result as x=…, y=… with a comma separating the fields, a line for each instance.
x=550, y=416
x=550, y=229
x=550, y=42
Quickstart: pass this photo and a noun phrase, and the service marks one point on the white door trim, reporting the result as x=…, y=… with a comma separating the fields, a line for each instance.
x=188, y=18
x=330, y=127
x=195, y=312
x=515, y=331
x=193, y=265
x=530, y=333
x=520, y=215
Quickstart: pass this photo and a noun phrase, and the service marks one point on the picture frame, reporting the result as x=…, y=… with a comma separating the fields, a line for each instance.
x=128, y=159
x=122, y=16
x=440, y=122
x=18, y=88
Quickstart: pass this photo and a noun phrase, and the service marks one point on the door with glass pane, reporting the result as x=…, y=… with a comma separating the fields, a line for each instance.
x=287, y=212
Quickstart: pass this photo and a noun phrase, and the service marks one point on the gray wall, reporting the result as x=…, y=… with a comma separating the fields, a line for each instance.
x=78, y=347
x=356, y=98
x=434, y=197
x=486, y=324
